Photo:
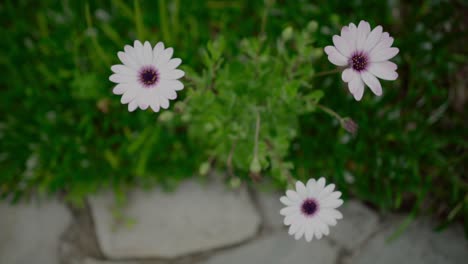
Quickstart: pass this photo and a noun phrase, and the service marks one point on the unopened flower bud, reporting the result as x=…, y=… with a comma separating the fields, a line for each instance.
x=255, y=166
x=349, y=125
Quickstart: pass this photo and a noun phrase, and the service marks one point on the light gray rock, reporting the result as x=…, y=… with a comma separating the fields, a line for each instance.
x=279, y=248
x=271, y=206
x=30, y=232
x=95, y=261
x=193, y=218
x=358, y=223
x=418, y=244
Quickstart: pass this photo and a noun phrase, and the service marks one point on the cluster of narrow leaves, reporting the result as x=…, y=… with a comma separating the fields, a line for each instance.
x=243, y=113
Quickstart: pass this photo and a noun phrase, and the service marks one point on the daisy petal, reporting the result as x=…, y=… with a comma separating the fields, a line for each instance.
x=164, y=57
x=155, y=106
x=286, y=201
x=335, y=57
x=356, y=87
x=294, y=228
x=157, y=51
x=300, y=232
x=291, y=219
x=293, y=196
x=372, y=82
x=384, y=70
x=301, y=190
x=332, y=203
x=132, y=106
x=168, y=93
x=289, y=210
x=147, y=53
x=326, y=191
x=373, y=38
x=310, y=184
x=362, y=32
x=309, y=233
x=173, y=75
x=327, y=217
x=122, y=69
x=138, y=47
x=321, y=183
x=119, y=78
x=383, y=54
x=171, y=65
x=164, y=103
x=347, y=75
x=334, y=213
x=128, y=96
x=120, y=88
x=342, y=46
x=318, y=233
x=126, y=60
x=143, y=106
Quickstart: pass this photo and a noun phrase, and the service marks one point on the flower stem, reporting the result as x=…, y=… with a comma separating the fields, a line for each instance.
x=257, y=133
x=327, y=72
x=329, y=111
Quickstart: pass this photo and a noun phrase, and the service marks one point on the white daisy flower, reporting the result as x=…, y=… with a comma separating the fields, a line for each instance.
x=147, y=77
x=365, y=55
x=311, y=209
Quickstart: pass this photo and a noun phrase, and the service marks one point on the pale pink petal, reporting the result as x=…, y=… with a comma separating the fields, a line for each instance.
x=172, y=75
x=122, y=69
x=155, y=105
x=168, y=92
x=138, y=47
x=373, y=38
x=164, y=58
x=147, y=53
x=348, y=74
x=285, y=200
x=164, y=102
x=335, y=57
x=372, y=82
x=383, y=54
x=293, y=196
x=301, y=190
x=132, y=106
x=342, y=46
x=157, y=51
x=384, y=70
x=128, y=96
x=126, y=60
x=356, y=87
x=363, y=31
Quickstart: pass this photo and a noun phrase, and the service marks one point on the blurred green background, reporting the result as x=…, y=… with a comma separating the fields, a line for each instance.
x=63, y=131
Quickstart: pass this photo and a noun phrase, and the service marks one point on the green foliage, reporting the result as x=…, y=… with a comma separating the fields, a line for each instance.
x=250, y=107
x=244, y=112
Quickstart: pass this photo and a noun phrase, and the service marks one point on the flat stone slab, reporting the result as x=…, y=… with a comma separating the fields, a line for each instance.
x=418, y=244
x=279, y=248
x=95, y=261
x=270, y=205
x=194, y=218
x=358, y=224
x=30, y=232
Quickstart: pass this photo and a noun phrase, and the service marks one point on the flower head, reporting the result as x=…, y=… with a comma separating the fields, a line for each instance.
x=311, y=209
x=147, y=76
x=365, y=55
x=349, y=125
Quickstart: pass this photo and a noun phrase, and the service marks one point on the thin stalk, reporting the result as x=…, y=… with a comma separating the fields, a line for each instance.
x=327, y=72
x=329, y=111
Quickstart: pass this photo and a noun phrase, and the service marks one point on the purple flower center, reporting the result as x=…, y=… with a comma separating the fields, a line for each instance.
x=359, y=61
x=148, y=76
x=309, y=207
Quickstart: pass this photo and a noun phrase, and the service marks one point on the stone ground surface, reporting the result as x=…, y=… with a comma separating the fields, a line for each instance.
x=206, y=224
